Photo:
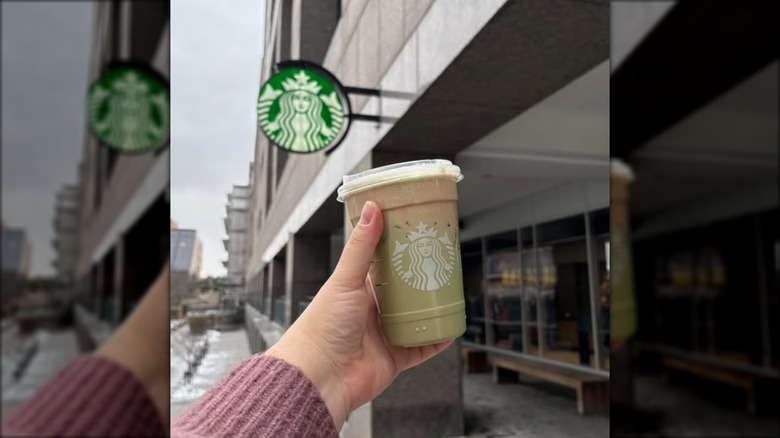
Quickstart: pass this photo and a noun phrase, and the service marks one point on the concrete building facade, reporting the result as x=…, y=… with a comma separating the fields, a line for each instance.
x=65, y=242
x=123, y=199
x=236, y=220
x=516, y=94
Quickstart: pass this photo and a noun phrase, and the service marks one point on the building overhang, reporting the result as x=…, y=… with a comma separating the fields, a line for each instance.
x=674, y=72
x=521, y=46
x=695, y=115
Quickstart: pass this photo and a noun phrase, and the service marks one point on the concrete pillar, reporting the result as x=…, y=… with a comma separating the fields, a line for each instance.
x=97, y=289
x=268, y=288
x=436, y=409
x=336, y=246
x=307, y=269
x=259, y=283
x=277, y=282
x=118, y=275
x=288, y=279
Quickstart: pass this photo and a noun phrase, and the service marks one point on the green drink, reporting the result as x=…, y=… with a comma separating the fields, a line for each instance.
x=416, y=271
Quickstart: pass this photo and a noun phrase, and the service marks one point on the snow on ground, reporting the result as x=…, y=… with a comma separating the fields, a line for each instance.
x=226, y=349
x=55, y=350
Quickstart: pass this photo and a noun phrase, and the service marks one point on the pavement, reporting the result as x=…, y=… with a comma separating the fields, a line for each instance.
x=55, y=350
x=686, y=411
x=530, y=409
x=226, y=349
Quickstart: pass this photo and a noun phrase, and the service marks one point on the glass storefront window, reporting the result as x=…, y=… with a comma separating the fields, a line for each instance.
x=564, y=294
x=695, y=281
x=502, y=284
x=473, y=289
x=599, y=229
x=529, y=290
x=603, y=297
x=504, y=292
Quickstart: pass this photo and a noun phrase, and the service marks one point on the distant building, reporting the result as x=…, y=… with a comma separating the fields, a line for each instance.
x=236, y=228
x=16, y=256
x=186, y=262
x=65, y=242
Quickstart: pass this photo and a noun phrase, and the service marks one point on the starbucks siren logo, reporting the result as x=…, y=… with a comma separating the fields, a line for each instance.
x=128, y=109
x=426, y=263
x=301, y=110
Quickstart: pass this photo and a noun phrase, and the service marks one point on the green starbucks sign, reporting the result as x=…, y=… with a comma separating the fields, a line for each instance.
x=128, y=109
x=303, y=108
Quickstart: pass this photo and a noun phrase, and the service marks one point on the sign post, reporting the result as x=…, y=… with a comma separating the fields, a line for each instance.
x=303, y=108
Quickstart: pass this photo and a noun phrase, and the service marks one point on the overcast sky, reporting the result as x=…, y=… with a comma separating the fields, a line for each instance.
x=45, y=57
x=216, y=50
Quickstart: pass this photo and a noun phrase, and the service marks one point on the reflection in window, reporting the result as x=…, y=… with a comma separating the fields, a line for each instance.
x=538, y=294
x=505, y=295
x=695, y=281
x=471, y=259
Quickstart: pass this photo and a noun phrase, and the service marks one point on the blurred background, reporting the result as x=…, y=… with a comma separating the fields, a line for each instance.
x=694, y=114
x=667, y=302
x=84, y=229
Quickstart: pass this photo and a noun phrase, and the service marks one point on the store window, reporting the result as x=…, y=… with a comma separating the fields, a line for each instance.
x=599, y=229
x=563, y=301
x=540, y=293
x=473, y=289
x=503, y=326
x=698, y=280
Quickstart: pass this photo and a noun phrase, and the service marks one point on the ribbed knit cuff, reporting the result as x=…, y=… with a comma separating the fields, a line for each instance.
x=263, y=396
x=90, y=397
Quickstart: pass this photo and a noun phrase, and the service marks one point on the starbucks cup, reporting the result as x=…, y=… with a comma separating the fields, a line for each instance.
x=416, y=271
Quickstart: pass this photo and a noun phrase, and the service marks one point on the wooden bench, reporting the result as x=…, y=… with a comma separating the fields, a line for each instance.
x=592, y=391
x=474, y=360
x=740, y=379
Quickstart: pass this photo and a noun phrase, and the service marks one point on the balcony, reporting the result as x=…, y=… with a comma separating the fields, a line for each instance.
x=231, y=226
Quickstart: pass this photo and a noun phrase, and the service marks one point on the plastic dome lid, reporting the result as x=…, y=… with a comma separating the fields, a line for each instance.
x=397, y=172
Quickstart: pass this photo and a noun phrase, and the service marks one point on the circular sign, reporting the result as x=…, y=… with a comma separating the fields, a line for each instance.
x=302, y=108
x=128, y=109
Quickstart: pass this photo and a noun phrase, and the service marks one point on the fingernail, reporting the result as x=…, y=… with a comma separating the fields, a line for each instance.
x=366, y=215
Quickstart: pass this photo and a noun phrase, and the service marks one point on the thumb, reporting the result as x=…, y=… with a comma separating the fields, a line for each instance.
x=356, y=258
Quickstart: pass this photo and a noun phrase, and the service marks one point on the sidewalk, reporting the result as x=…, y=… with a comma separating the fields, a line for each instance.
x=55, y=350
x=226, y=349
x=686, y=413
x=530, y=409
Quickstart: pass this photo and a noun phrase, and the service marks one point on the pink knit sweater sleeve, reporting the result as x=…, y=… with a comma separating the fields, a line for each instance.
x=90, y=397
x=262, y=396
